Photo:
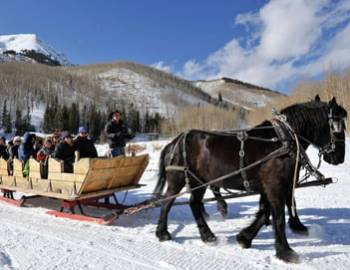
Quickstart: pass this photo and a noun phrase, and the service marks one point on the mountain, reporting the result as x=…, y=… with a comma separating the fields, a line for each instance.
x=29, y=48
x=238, y=93
x=148, y=89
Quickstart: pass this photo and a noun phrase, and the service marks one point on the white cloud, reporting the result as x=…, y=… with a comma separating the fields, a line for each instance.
x=286, y=39
x=162, y=66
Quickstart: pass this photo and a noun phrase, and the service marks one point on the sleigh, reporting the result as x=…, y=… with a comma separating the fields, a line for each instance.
x=93, y=179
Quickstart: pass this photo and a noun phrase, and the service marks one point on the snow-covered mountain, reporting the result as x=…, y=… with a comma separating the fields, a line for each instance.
x=238, y=93
x=29, y=48
x=147, y=89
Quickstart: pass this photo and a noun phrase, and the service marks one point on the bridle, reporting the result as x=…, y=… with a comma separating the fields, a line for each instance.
x=335, y=126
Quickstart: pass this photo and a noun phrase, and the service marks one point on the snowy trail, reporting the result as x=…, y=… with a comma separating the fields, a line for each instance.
x=31, y=239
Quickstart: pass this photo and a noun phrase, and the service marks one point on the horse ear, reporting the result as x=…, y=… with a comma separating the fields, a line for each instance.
x=333, y=101
x=317, y=98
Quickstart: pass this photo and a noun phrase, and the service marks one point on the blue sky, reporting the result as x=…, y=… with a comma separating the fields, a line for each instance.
x=261, y=42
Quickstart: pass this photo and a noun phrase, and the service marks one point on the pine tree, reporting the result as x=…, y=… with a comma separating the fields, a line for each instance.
x=47, y=127
x=6, y=118
x=220, y=97
x=19, y=122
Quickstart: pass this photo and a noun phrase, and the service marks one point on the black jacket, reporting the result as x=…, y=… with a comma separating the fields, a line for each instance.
x=117, y=134
x=13, y=151
x=65, y=152
x=3, y=152
x=85, y=147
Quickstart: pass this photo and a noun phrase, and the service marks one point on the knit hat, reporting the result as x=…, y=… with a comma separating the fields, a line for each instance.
x=82, y=129
x=17, y=139
x=65, y=134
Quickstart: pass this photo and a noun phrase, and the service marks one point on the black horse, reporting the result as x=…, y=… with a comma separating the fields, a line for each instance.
x=207, y=156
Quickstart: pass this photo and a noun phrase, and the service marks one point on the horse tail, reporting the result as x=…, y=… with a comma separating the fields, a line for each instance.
x=159, y=188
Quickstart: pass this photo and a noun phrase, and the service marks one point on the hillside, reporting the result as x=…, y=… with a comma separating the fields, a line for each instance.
x=146, y=88
x=239, y=93
x=121, y=85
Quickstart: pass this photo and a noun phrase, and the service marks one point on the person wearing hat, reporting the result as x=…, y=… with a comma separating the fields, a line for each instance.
x=65, y=151
x=84, y=144
x=13, y=150
x=117, y=134
x=43, y=155
x=26, y=150
x=13, y=153
x=3, y=149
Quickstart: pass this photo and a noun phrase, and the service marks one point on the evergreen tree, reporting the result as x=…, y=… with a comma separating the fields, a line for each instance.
x=19, y=122
x=6, y=118
x=47, y=121
x=220, y=97
x=74, y=118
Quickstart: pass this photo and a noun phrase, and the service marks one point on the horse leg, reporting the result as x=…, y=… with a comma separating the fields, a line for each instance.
x=294, y=222
x=283, y=250
x=195, y=203
x=174, y=187
x=246, y=236
x=221, y=204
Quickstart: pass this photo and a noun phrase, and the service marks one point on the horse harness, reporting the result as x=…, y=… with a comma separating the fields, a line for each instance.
x=285, y=135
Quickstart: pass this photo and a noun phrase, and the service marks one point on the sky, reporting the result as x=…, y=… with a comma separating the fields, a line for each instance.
x=270, y=43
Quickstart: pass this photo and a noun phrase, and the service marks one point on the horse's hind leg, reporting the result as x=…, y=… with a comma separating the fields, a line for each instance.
x=294, y=222
x=197, y=211
x=174, y=187
x=221, y=204
x=246, y=236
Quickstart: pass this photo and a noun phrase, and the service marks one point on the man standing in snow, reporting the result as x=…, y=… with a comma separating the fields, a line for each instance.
x=117, y=134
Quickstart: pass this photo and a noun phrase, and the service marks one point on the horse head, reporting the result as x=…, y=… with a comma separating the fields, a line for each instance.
x=334, y=150
x=321, y=124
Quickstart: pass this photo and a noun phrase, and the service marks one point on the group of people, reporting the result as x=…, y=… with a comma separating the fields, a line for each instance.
x=62, y=146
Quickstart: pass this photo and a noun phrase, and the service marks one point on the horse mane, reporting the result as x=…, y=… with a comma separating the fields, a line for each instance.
x=307, y=116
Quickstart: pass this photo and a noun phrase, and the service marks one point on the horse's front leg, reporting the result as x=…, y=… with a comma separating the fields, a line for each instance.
x=246, y=236
x=197, y=211
x=174, y=187
x=283, y=250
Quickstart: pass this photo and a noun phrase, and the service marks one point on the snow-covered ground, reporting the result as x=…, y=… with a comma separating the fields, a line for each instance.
x=31, y=239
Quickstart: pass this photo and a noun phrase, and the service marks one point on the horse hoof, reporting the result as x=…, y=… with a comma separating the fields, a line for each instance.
x=210, y=239
x=298, y=227
x=243, y=241
x=163, y=236
x=301, y=231
x=223, y=212
x=288, y=256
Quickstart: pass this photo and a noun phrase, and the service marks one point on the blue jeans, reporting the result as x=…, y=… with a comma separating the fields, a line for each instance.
x=118, y=151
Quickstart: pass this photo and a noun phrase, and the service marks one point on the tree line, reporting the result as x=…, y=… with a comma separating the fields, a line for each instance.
x=58, y=117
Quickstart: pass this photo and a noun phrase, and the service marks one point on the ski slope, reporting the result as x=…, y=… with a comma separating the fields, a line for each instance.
x=31, y=239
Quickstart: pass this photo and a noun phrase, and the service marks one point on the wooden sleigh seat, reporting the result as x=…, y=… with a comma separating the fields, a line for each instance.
x=92, y=177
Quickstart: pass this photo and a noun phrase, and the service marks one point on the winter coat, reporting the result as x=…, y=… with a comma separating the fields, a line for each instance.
x=44, y=153
x=26, y=149
x=3, y=152
x=117, y=134
x=85, y=147
x=13, y=151
x=65, y=152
